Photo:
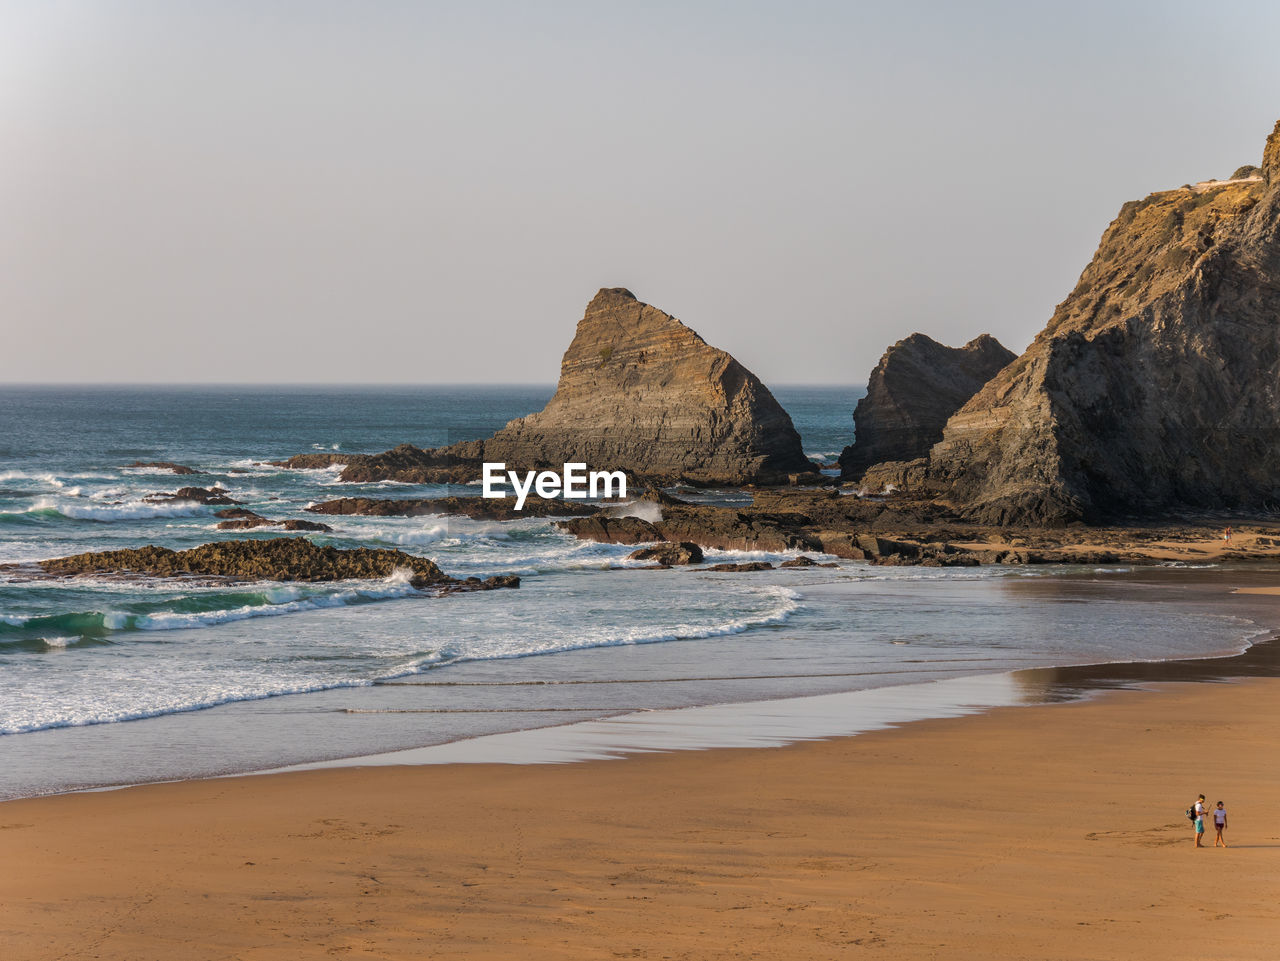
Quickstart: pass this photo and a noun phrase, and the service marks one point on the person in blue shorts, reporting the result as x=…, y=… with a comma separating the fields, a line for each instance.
x=1200, y=812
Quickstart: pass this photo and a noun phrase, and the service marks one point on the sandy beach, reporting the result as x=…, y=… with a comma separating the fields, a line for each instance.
x=1042, y=832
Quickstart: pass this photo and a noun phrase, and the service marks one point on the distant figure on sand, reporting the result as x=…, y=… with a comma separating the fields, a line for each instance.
x=1199, y=812
x=1226, y=536
x=1219, y=825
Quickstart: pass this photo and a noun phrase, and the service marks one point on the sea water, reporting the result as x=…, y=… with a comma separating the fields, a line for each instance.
x=111, y=681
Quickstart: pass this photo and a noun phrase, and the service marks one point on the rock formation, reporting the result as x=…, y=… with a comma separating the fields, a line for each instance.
x=239, y=519
x=639, y=392
x=1154, y=386
x=917, y=385
x=277, y=559
x=669, y=555
x=405, y=463
x=198, y=495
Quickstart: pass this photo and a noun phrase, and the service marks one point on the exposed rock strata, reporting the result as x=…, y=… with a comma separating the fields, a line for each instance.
x=889, y=531
x=478, y=508
x=1153, y=387
x=917, y=385
x=639, y=392
x=277, y=559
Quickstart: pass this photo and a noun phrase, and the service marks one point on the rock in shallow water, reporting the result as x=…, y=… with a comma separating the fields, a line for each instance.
x=669, y=555
x=276, y=559
x=639, y=392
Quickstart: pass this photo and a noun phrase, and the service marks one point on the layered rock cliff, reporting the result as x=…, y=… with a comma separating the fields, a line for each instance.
x=641, y=392
x=1155, y=387
x=917, y=385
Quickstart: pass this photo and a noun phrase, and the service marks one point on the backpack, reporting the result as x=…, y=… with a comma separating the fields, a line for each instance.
x=1191, y=813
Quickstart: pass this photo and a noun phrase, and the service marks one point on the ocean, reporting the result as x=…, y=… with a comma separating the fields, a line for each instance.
x=110, y=682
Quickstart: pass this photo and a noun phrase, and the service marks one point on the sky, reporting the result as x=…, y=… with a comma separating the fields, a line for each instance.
x=386, y=192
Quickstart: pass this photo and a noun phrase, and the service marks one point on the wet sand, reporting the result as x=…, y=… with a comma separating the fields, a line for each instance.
x=1052, y=831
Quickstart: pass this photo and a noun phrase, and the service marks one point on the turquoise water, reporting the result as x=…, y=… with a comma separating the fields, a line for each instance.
x=264, y=674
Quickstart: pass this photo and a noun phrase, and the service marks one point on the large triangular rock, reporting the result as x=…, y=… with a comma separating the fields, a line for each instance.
x=641, y=392
x=1156, y=385
x=917, y=385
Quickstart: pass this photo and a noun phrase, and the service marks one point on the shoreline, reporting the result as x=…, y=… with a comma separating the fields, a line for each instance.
x=968, y=836
x=944, y=690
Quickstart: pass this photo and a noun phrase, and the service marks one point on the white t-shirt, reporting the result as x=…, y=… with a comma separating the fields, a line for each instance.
x=1219, y=815
x=1199, y=810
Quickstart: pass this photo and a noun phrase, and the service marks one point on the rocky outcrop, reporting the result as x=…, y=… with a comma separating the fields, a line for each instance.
x=805, y=561
x=277, y=559
x=406, y=464
x=198, y=495
x=1153, y=387
x=918, y=384
x=669, y=555
x=239, y=519
x=892, y=531
x=478, y=508
x=639, y=392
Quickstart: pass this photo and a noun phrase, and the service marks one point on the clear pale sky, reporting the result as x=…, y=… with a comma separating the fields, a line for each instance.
x=426, y=192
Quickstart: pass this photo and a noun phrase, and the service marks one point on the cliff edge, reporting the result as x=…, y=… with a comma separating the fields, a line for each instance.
x=1155, y=386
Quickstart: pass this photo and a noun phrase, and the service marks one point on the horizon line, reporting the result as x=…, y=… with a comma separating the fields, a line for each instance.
x=338, y=384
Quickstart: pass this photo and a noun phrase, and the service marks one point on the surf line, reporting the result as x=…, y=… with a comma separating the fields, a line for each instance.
x=575, y=482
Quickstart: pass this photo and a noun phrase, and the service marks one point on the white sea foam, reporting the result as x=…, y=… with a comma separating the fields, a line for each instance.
x=127, y=511
x=395, y=585
x=643, y=510
x=58, y=481
x=775, y=605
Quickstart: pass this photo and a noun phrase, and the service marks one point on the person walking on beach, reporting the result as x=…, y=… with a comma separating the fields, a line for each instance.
x=1199, y=819
x=1219, y=825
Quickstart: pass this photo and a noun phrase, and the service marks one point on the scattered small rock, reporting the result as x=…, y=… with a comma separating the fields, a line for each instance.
x=668, y=554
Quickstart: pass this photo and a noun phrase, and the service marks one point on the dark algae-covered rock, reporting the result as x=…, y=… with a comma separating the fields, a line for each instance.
x=199, y=495
x=275, y=559
x=236, y=519
x=917, y=385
